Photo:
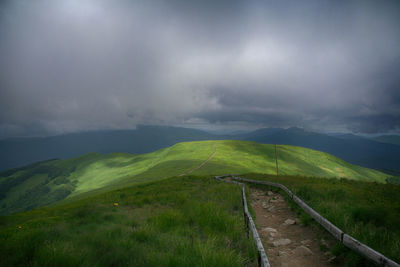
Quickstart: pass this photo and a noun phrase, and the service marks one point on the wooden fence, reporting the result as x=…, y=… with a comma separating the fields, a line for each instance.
x=249, y=222
x=345, y=239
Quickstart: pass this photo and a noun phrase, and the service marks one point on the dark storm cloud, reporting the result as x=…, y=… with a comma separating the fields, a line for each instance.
x=72, y=65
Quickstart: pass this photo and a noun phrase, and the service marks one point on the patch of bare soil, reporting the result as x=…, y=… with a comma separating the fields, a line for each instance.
x=286, y=241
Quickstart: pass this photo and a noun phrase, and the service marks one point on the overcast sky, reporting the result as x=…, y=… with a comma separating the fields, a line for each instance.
x=77, y=65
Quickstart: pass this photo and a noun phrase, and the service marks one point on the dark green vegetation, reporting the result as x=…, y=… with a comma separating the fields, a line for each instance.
x=351, y=148
x=185, y=221
x=393, y=180
x=367, y=211
x=47, y=182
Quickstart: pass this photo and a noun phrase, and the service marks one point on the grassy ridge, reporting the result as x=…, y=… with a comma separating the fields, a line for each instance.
x=48, y=182
x=367, y=211
x=294, y=160
x=185, y=221
x=244, y=157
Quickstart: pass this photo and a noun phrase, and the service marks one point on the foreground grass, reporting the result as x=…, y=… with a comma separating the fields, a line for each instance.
x=185, y=221
x=370, y=212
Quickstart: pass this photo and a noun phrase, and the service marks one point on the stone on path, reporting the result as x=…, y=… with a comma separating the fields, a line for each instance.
x=281, y=242
x=269, y=229
x=289, y=222
x=306, y=242
x=302, y=251
x=270, y=193
x=282, y=253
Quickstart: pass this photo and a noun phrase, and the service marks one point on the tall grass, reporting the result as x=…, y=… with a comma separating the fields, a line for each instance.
x=187, y=221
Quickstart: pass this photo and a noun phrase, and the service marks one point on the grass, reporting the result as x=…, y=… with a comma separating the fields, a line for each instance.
x=370, y=212
x=244, y=157
x=293, y=160
x=47, y=182
x=185, y=221
x=51, y=181
x=178, y=221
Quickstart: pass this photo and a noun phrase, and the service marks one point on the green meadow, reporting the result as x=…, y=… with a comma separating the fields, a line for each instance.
x=250, y=157
x=182, y=221
x=123, y=209
x=51, y=181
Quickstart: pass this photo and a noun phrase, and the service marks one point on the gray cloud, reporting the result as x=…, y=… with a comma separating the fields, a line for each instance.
x=72, y=65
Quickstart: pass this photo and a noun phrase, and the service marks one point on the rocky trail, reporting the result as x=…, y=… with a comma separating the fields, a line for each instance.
x=286, y=241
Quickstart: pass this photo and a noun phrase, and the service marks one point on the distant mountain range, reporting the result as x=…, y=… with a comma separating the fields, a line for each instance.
x=17, y=152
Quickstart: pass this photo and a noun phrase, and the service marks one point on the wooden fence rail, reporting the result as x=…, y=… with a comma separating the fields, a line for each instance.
x=345, y=239
x=249, y=222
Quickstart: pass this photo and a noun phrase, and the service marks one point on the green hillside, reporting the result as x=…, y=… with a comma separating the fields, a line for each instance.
x=50, y=181
x=182, y=221
x=245, y=157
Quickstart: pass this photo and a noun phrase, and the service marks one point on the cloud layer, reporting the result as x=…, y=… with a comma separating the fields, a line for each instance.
x=73, y=65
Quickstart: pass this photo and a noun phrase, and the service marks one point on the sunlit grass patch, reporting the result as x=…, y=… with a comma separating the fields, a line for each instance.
x=68, y=180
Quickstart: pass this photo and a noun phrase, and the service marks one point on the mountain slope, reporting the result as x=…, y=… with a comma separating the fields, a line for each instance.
x=356, y=150
x=245, y=157
x=145, y=139
x=21, y=151
x=51, y=181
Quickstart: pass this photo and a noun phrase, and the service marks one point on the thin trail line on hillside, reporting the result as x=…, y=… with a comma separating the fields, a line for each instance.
x=276, y=162
x=203, y=163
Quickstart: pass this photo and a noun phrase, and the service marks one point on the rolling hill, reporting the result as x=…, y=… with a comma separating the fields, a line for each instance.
x=351, y=148
x=18, y=152
x=50, y=181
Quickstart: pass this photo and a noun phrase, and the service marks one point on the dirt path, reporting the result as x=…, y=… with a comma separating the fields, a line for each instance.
x=202, y=164
x=286, y=242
